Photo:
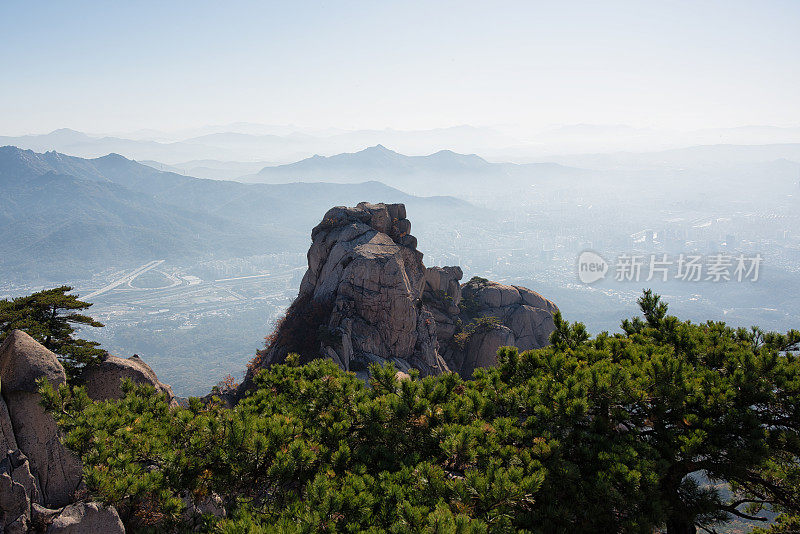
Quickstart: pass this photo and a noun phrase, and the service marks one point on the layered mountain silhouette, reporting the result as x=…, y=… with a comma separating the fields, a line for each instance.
x=62, y=215
x=443, y=172
x=283, y=144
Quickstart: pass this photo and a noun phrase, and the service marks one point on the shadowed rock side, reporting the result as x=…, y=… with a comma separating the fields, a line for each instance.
x=22, y=362
x=474, y=319
x=367, y=297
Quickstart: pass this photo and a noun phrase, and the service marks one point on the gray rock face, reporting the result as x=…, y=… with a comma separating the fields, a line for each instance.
x=58, y=469
x=525, y=321
x=525, y=312
x=17, y=466
x=367, y=297
x=15, y=505
x=22, y=361
x=362, y=294
x=481, y=350
x=104, y=380
x=86, y=518
x=7, y=440
x=18, y=490
x=442, y=296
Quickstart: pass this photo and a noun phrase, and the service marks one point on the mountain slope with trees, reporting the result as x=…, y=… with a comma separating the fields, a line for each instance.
x=614, y=433
x=63, y=215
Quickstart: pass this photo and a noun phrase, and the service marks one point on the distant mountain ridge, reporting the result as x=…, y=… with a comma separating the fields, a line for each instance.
x=282, y=145
x=443, y=172
x=63, y=215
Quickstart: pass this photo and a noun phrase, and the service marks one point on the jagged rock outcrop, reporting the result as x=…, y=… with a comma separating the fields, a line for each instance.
x=104, y=381
x=22, y=361
x=18, y=490
x=15, y=510
x=360, y=299
x=39, y=477
x=367, y=297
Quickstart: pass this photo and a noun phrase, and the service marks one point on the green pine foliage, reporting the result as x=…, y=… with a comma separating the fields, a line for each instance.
x=618, y=433
x=48, y=316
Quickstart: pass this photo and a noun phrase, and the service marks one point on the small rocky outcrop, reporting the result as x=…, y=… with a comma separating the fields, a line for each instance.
x=367, y=297
x=489, y=315
x=22, y=362
x=39, y=477
x=196, y=509
x=104, y=381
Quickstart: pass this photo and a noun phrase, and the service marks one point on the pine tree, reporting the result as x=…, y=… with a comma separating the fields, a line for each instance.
x=48, y=316
x=630, y=432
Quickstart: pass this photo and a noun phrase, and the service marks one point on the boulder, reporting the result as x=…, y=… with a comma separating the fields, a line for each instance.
x=22, y=361
x=103, y=381
x=86, y=518
x=195, y=509
x=525, y=318
x=527, y=314
x=481, y=349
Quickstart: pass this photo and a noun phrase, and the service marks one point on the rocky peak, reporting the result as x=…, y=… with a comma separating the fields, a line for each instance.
x=367, y=297
x=360, y=299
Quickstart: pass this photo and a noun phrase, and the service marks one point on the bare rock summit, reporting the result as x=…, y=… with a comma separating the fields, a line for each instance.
x=367, y=297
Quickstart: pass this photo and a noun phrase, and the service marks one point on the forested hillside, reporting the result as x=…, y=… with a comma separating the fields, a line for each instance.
x=630, y=432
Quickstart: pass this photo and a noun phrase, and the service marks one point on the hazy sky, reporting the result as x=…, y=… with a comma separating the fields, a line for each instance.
x=115, y=66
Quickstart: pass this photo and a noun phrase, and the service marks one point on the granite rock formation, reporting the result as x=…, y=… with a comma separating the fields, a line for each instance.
x=367, y=297
x=104, y=381
x=476, y=318
x=22, y=362
x=40, y=480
